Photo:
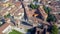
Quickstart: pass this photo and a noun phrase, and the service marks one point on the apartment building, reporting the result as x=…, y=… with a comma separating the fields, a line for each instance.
x=19, y=14
x=5, y=28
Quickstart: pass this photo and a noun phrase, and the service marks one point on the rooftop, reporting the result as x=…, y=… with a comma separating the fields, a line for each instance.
x=42, y=12
x=3, y=27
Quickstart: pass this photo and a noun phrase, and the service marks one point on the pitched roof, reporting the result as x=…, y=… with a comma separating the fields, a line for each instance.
x=30, y=12
x=3, y=27
x=18, y=11
x=42, y=12
x=17, y=4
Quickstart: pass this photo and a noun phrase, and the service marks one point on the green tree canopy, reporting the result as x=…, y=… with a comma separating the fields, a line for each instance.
x=47, y=9
x=51, y=18
x=34, y=6
x=54, y=29
x=7, y=16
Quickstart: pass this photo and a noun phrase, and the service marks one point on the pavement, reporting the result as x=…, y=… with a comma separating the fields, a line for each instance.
x=18, y=29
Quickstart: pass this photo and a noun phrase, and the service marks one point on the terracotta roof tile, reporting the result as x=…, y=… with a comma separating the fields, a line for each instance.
x=18, y=11
x=30, y=12
x=17, y=4
x=3, y=27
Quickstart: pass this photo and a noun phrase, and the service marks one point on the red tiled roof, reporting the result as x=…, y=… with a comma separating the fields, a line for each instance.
x=17, y=4
x=3, y=27
x=18, y=11
x=30, y=13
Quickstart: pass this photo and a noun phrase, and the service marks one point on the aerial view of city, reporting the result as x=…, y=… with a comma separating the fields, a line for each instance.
x=29, y=16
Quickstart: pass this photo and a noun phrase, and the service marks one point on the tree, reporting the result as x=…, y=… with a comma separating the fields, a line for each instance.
x=47, y=9
x=54, y=29
x=34, y=6
x=7, y=16
x=51, y=18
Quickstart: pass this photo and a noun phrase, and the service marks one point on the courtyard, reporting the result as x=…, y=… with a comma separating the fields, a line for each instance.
x=15, y=32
